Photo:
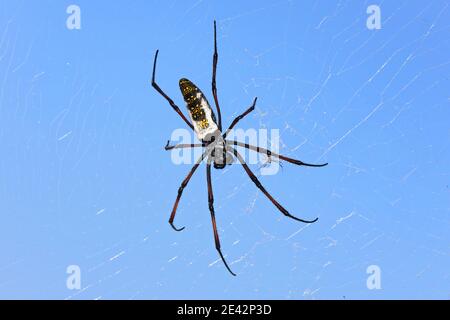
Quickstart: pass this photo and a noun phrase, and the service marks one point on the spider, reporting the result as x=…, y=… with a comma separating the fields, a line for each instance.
x=218, y=150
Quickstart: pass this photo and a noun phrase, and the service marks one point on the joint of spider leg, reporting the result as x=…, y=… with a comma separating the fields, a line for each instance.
x=181, y=188
x=256, y=181
x=218, y=247
x=287, y=214
x=284, y=211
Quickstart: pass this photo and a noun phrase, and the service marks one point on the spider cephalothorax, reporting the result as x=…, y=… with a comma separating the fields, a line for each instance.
x=220, y=155
x=218, y=150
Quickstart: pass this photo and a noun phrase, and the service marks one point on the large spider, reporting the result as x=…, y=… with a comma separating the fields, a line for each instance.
x=219, y=151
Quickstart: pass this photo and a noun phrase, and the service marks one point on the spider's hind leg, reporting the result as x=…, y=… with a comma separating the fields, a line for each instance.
x=213, y=216
x=256, y=181
x=180, y=191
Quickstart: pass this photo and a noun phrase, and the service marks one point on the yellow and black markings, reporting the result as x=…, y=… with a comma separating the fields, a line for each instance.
x=193, y=97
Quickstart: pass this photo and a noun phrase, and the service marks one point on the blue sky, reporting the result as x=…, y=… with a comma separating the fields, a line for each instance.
x=85, y=181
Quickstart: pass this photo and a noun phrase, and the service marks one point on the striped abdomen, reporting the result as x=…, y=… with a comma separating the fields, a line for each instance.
x=200, y=111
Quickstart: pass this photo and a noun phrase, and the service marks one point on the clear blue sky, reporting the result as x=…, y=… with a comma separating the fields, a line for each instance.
x=84, y=178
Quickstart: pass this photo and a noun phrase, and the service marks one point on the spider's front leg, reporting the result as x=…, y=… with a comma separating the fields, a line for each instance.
x=213, y=82
x=161, y=92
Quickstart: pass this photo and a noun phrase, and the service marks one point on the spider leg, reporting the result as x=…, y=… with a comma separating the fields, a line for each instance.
x=267, y=194
x=213, y=82
x=239, y=118
x=213, y=217
x=172, y=104
x=182, y=145
x=271, y=154
x=180, y=191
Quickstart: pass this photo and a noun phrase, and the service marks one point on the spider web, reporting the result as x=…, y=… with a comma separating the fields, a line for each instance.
x=84, y=179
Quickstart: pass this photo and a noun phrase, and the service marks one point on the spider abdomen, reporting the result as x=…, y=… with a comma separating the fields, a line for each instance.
x=200, y=112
